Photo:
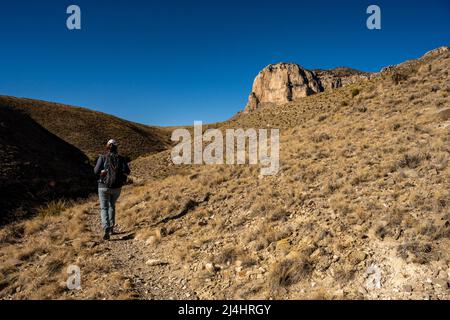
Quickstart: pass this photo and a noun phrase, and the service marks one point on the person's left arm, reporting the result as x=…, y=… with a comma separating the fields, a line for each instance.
x=99, y=165
x=126, y=168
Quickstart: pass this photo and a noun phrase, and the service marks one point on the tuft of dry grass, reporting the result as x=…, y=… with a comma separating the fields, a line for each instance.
x=289, y=271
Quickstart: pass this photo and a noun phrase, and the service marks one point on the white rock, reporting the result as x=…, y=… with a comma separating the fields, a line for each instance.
x=151, y=240
x=209, y=267
x=155, y=262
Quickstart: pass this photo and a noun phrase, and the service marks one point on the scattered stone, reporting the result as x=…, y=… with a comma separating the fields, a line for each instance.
x=129, y=236
x=441, y=283
x=42, y=256
x=150, y=241
x=210, y=267
x=357, y=257
x=444, y=114
x=442, y=274
x=127, y=284
x=361, y=290
x=407, y=288
x=339, y=294
x=156, y=262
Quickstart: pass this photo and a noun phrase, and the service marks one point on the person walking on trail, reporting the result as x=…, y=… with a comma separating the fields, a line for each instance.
x=112, y=170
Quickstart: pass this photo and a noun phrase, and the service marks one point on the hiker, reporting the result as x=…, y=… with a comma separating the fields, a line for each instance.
x=113, y=171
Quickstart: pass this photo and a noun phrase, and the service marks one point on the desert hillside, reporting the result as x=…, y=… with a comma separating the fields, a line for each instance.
x=363, y=191
x=48, y=150
x=37, y=166
x=89, y=130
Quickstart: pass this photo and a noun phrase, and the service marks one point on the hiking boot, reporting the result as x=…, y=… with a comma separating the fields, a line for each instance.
x=106, y=234
x=111, y=231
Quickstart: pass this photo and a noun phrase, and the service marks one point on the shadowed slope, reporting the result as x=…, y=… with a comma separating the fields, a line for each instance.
x=36, y=166
x=89, y=130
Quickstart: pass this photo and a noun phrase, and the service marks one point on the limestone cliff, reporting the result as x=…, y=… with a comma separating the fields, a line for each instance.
x=284, y=82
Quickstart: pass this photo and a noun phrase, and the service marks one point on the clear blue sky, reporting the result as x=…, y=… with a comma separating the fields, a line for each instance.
x=168, y=62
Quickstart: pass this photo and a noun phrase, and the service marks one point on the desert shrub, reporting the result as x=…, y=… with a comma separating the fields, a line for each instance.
x=397, y=77
x=435, y=88
x=421, y=253
x=344, y=273
x=279, y=214
x=264, y=235
x=355, y=92
x=12, y=233
x=412, y=160
x=289, y=271
x=28, y=254
x=228, y=254
x=320, y=137
x=361, y=109
x=322, y=118
x=54, y=266
x=53, y=208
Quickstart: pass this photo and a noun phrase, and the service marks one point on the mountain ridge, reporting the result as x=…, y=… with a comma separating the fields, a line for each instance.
x=284, y=82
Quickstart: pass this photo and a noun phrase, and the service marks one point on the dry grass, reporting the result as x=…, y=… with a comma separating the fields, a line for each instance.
x=89, y=130
x=369, y=176
x=289, y=271
x=52, y=208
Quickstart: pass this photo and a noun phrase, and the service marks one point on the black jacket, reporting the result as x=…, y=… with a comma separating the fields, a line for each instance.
x=101, y=166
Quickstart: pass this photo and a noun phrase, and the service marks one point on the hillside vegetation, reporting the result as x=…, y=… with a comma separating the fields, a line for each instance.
x=89, y=130
x=48, y=149
x=363, y=191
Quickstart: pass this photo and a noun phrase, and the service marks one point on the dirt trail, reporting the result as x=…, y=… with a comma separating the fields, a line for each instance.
x=129, y=256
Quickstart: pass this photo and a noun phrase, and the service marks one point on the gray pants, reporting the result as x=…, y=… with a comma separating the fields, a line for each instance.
x=108, y=198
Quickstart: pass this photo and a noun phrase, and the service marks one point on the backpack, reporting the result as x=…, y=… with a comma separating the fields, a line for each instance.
x=115, y=176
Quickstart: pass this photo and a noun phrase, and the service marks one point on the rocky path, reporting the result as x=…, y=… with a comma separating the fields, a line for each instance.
x=147, y=275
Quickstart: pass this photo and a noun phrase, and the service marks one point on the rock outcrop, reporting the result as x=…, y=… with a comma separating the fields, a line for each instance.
x=413, y=64
x=435, y=52
x=284, y=82
x=281, y=83
x=340, y=77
